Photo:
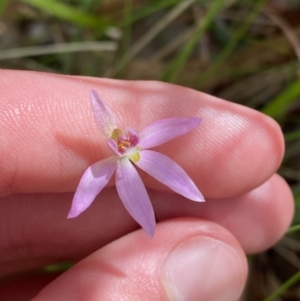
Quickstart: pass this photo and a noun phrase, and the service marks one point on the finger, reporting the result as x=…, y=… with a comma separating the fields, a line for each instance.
x=187, y=260
x=35, y=231
x=258, y=219
x=49, y=135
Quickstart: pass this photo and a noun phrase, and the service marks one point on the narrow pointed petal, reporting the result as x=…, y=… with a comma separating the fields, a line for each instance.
x=103, y=114
x=92, y=182
x=165, y=130
x=166, y=171
x=134, y=196
x=113, y=145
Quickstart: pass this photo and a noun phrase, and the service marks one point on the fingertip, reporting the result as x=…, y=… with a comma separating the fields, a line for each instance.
x=185, y=260
x=182, y=271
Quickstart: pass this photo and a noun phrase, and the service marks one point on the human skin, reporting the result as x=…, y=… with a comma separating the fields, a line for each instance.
x=49, y=137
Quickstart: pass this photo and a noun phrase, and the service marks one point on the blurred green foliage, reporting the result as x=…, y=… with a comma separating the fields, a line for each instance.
x=233, y=49
x=70, y=13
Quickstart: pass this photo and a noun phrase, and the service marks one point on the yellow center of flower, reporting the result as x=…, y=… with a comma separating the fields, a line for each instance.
x=123, y=145
x=127, y=144
x=134, y=156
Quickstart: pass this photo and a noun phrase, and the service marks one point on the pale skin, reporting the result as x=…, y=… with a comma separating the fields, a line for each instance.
x=49, y=137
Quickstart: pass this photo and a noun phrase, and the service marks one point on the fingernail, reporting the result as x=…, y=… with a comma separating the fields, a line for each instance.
x=203, y=268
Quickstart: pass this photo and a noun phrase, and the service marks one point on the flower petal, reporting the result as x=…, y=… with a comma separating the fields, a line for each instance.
x=92, y=182
x=134, y=196
x=103, y=114
x=164, y=130
x=113, y=145
x=166, y=171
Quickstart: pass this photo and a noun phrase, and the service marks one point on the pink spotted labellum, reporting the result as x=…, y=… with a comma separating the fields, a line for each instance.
x=130, y=147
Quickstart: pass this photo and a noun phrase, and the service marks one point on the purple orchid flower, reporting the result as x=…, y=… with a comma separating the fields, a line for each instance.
x=130, y=147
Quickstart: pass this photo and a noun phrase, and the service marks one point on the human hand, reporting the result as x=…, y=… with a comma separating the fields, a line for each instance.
x=49, y=137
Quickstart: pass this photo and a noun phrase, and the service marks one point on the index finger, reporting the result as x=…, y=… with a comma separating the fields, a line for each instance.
x=49, y=135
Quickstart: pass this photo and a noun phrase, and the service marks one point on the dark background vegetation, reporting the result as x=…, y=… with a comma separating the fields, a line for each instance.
x=246, y=51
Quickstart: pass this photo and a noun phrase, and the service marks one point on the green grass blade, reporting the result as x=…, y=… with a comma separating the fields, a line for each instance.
x=236, y=37
x=292, y=151
x=296, y=220
x=293, y=229
x=127, y=31
x=69, y=13
x=151, y=8
x=58, y=267
x=3, y=4
x=278, y=107
x=173, y=70
x=292, y=136
x=151, y=34
x=285, y=286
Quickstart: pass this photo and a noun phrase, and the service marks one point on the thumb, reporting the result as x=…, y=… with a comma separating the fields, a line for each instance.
x=187, y=259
